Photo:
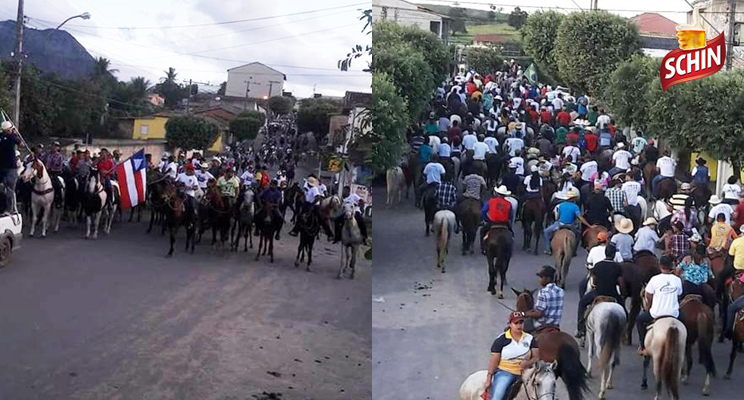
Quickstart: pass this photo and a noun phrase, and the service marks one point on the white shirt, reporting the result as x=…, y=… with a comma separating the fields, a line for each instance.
x=353, y=199
x=434, y=142
x=603, y=120
x=567, y=187
x=515, y=146
x=631, y=189
x=516, y=102
x=190, y=183
x=203, y=177
x=518, y=163
x=172, y=170
x=312, y=193
x=492, y=144
x=722, y=208
x=730, y=191
x=323, y=189
x=572, y=152
x=557, y=104
x=666, y=166
x=666, y=289
x=597, y=254
x=622, y=159
x=490, y=125
x=646, y=239
x=588, y=169
x=247, y=178
x=468, y=141
x=527, y=187
x=479, y=151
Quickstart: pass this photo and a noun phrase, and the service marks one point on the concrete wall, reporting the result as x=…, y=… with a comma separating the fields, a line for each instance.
x=127, y=147
x=406, y=14
x=260, y=77
x=716, y=12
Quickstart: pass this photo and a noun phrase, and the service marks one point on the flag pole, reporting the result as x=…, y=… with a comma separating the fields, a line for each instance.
x=23, y=141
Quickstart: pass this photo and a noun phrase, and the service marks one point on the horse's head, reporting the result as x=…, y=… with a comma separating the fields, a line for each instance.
x=348, y=211
x=93, y=184
x=539, y=381
x=525, y=299
x=34, y=169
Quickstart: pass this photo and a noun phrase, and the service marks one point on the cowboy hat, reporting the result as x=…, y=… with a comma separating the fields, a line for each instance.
x=714, y=200
x=502, y=190
x=701, y=161
x=533, y=168
x=204, y=165
x=620, y=145
x=6, y=125
x=570, y=195
x=650, y=221
x=313, y=182
x=625, y=225
x=685, y=186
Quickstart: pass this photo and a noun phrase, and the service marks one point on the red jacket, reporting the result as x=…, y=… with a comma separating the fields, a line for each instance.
x=499, y=209
x=591, y=141
x=563, y=118
x=545, y=117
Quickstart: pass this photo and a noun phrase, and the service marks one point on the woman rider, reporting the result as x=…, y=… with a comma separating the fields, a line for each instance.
x=511, y=353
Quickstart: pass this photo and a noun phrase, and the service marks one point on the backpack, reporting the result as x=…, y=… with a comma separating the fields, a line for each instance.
x=498, y=210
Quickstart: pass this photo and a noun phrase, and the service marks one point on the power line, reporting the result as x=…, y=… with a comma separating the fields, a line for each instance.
x=553, y=7
x=219, y=23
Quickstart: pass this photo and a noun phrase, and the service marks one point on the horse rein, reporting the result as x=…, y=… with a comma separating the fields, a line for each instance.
x=532, y=381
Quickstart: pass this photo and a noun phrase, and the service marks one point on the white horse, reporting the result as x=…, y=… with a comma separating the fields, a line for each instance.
x=604, y=329
x=665, y=343
x=93, y=204
x=351, y=240
x=538, y=382
x=42, y=196
x=110, y=207
x=396, y=184
x=444, y=225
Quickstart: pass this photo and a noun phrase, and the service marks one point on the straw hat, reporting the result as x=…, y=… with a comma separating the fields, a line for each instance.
x=650, y=221
x=570, y=195
x=620, y=145
x=714, y=200
x=502, y=190
x=312, y=182
x=625, y=225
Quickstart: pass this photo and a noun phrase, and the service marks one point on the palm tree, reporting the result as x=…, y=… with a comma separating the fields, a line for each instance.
x=101, y=68
x=170, y=75
x=139, y=86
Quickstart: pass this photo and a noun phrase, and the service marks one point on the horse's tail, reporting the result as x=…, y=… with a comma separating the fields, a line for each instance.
x=705, y=342
x=573, y=372
x=443, y=234
x=610, y=345
x=670, y=362
x=390, y=181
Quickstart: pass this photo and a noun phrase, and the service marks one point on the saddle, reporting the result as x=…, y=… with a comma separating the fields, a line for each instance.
x=715, y=253
x=738, y=276
x=493, y=228
x=543, y=330
x=651, y=325
x=689, y=298
x=597, y=300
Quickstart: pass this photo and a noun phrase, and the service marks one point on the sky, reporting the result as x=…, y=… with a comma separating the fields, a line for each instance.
x=302, y=39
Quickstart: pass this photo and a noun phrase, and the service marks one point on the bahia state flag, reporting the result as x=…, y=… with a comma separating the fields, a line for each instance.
x=132, y=178
x=531, y=73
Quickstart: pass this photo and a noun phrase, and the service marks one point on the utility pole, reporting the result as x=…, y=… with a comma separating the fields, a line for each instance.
x=271, y=86
x=188, y=100
x=19, y=68
x=247, y=90
x=731, y=33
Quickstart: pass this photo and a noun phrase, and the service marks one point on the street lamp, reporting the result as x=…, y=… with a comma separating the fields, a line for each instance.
x=84, y=15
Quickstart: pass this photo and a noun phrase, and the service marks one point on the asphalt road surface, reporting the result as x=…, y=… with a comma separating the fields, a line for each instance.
x=434, y=329
x=114, y=319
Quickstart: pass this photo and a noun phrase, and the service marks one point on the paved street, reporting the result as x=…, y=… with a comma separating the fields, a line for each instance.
x=434, y=329
x=114, y=319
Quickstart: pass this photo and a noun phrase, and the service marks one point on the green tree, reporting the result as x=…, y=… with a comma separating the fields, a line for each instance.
x=359, y=50
x=627, y=89
x=409, y=72
x=485, y=61
x=517, y=18
x=435, y=52
x=314, y=116
x=538, y=40
x=171, y=91
x=389, y=121
x=245, y=128
x=280, y=104
x=589, y=47
x=190, y=132
x=261, y=117
x=6, y=95
x=221, y=90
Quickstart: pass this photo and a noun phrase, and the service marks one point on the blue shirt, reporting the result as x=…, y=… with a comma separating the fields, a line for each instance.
x=434, y=172
x=568, y=212
x=425, y=153
x=694, y=273
x=444, y=150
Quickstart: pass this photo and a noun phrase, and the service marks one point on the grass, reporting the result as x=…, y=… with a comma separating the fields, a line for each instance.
x=492, y=29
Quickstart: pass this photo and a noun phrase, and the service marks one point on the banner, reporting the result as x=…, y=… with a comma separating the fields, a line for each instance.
x=531, y=74
x=688, y=65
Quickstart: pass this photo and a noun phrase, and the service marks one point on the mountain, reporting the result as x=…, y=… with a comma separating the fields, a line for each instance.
x=50, y=50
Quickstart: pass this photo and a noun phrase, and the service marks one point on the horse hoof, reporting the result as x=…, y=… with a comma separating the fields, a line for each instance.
x=609, y=386
x=443, y=271
x=727, y=377
x=644, y=386
x=297, y=264
x=308, y=269
x=706, y=392
x=601, y=395
x=500, y=296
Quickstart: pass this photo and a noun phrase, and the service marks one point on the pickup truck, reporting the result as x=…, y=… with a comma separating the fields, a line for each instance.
x=10, y=236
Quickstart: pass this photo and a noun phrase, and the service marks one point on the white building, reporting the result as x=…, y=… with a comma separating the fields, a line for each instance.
x=254, y=81
x=408, y=14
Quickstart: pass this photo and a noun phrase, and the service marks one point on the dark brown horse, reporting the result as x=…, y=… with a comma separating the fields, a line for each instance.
x=499, y=247
x=479, y=167
x=589, y=237
x=177, y=215
x=555, y=345
x=429, y=201
x=665, y=189
x=698, y=320
x=533, y=214
x=495, y=163
x=469, y=211
x=636, y=274
x=718, y=262
x=267, y=227
x=219, y=214
x=735, y=290
x=649, y=172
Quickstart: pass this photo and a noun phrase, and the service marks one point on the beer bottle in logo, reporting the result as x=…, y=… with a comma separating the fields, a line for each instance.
x=691, y=37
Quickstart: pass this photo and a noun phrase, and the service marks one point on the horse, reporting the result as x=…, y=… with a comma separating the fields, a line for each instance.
x=156, y=201
x=735, y=290
x=444, y=223
x=429, y=201
x=309, y=226
x=636, y=274
x=666, y=189
x=244, y=213
x=533, y=214
x=176, y=215
x=649, y=172
x=74, y=193
x=499, y=246
x=351, y=240
x=558, y=347
x=93, y=204
x=718, y=262
x=469, y=211
x=396, y=184
x=42, y=196
x=540, y=379
x=415, y=176
x=698, y=320
x=327, y=207
x=494, y=164
x=293, y=199
x=665, y=343
x=111, y=206
x=267, y=228
x=562, y=246
x=479, y=167
x=589, y=237
x=219, y=214
x=604, y=330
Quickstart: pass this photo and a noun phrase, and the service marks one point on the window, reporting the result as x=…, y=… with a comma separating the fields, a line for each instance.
x=143, y=129
x=436, y=27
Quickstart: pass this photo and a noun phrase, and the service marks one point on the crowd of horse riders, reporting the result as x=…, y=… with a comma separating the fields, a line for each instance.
x=561, y=166
x=197, y=193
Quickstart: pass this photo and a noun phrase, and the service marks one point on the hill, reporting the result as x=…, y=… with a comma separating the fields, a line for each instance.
x=472, y=16
x=50, y=50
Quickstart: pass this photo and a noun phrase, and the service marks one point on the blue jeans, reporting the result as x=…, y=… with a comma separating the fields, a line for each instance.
x=549, y=231
x=731, y=313
x=655, y=182
x=501, y=383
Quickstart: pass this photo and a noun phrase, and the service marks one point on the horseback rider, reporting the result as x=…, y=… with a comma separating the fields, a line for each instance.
x=622, y=240
x=433, y=172
x=665, y=165
x=532, y=185
x=701, y=174
x=737, y=252
x=170, y=167
x=566, y=214
x=9, y=141
x=105, y=167
x=662, y=294
x=312, y=197
x=607, y=276
x=203, y=177
x=548, y=309
x=497, y=211
x=511, y=353
x=229, y=185
x=190, y=185
x=353, y=200
x=54, y=163
x=446, y=195
x=696, y=273
x=473, y=186
x=273, y=197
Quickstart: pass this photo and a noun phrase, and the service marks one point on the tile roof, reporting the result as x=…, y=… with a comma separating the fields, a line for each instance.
x=653, y=24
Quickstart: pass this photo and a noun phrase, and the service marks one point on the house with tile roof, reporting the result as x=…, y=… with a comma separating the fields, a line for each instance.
x=658, y=33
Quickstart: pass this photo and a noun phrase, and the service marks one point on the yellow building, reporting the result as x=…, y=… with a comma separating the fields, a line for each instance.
x=153, y=127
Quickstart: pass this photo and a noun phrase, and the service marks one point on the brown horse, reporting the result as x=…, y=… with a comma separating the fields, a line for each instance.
x=562, y=246
x=698, y=320
x=494, y=163
x=469, y=211
x=560, y=347
x=177, y=215
x=649, y=172
x=666, y=189
x=636, y=274
x=533, y=214
x=735, y=290
x=499, y=246
x=589, y=237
